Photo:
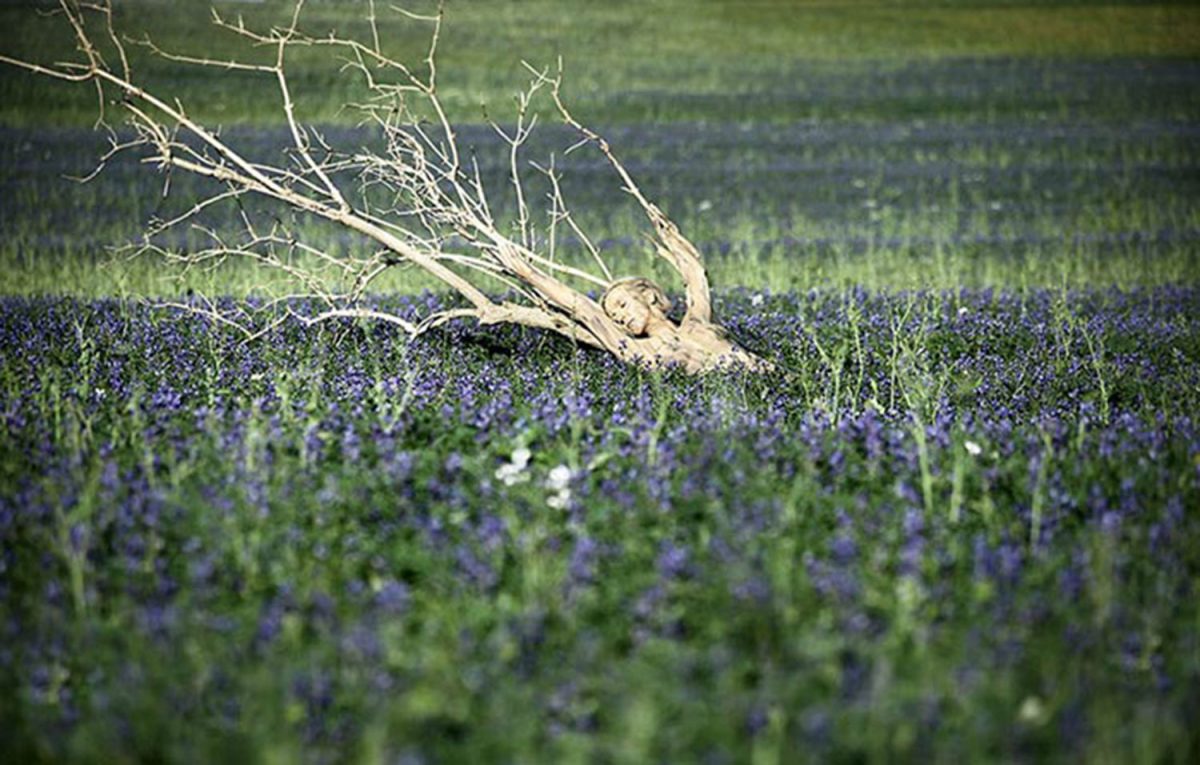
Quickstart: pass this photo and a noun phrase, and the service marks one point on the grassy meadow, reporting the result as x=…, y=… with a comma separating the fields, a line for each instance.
x=959, y=521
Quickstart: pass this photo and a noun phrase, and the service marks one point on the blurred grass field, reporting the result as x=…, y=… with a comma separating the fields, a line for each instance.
x=886, y=144
x=624, y=59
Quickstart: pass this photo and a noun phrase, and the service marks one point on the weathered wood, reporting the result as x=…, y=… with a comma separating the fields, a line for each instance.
x=441, y=202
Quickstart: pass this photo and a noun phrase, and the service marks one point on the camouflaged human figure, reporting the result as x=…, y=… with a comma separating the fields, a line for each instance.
x=440, y=219
x=640, y=307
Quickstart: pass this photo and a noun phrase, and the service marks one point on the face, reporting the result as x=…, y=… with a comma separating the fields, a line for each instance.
x=628, y=308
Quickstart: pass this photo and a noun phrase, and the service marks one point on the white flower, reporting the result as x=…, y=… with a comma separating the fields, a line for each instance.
x=962, y=310
x=559, y=500
x=510, y=474
x=514, y=472
x=757, y=300
x=520, y=457
x=558, y=478
x=705, y=205
x=1032, y=710
x=973, y=448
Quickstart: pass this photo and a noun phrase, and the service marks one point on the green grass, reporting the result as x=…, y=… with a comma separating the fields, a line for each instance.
x=889, y=205
x=940, y=144
x=88, y=274
x=951, y=144
x=618, y=55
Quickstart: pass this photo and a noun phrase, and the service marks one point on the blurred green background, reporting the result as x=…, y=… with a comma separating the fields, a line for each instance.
x=626, y=60
x=886, y=144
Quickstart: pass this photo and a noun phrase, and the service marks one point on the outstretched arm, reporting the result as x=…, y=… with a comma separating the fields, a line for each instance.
x=670, y=244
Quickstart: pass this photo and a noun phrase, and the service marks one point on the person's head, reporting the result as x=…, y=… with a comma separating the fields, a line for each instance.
x=633, y=301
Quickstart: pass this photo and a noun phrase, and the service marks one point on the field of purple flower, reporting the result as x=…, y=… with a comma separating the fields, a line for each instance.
x=958, y=522
x=955, y=524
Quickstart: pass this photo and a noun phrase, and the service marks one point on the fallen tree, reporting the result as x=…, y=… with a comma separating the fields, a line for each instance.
x=438, y=216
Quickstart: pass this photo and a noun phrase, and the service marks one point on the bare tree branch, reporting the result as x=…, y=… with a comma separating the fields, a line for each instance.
x=417, y=202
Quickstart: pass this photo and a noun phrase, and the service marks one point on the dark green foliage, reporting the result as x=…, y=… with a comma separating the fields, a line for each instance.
x=955, y=525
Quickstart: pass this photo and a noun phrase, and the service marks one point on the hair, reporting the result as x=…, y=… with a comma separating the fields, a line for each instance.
x=643, y=287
